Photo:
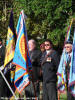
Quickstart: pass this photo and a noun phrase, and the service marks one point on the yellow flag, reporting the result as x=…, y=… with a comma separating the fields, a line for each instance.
x=10, y=43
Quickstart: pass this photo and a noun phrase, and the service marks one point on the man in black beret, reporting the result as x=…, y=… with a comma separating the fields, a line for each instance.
x=68, y=49
x=49, y=63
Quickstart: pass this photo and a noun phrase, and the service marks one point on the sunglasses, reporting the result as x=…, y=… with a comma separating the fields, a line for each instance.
x=47, y=44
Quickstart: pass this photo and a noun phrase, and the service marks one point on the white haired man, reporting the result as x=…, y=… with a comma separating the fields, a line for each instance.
x=68, y=49
x=34, y=76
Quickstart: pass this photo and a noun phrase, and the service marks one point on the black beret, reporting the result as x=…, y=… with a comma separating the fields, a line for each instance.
x=42, y=45
x=1, y=39
x=68, y=42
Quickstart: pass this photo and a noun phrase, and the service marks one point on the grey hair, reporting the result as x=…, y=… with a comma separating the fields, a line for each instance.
x=33, y=41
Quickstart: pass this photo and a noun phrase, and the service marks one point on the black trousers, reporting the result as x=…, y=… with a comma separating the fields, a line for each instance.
x=49, y=91
x=30, y=92
x=70, y=96
x=2, y=87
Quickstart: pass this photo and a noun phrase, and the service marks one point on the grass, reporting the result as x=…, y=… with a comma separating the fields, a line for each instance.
x=63, y=96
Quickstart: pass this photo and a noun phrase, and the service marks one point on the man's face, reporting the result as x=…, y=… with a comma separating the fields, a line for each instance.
x=47, y=45
x=42, y=49
x=68, y=48
x=31, y=46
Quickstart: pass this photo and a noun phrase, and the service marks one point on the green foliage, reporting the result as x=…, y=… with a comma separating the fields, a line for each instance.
x=5, y=7
x=45, y=18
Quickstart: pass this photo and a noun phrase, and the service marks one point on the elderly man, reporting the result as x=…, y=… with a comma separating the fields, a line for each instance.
x=34, y=76
x=68, y=49
x=50, y=62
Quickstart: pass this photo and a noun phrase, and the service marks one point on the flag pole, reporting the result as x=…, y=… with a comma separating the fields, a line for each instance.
x=8, y=84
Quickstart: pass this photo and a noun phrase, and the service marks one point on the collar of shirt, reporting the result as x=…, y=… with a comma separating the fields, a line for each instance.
x=1, y=46
x=48, y=51
x=70, y=54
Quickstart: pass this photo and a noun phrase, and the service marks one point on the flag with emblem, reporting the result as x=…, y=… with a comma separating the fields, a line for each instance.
x=21, y=56
x=10, y=43
x=9, y=52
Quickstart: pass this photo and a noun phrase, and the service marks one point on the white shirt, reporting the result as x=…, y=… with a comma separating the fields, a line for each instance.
x=1, y=46
x=70, y=54
x=48, y=51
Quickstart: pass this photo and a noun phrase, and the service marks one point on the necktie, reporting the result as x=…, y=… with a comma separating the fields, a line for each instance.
x=69, y=58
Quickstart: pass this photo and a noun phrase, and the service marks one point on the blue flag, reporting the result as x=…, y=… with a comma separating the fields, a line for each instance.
x=72, y=70
x=21, y=56
x=61, y=73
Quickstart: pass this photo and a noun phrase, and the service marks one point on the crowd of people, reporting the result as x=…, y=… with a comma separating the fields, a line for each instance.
x=45, y=63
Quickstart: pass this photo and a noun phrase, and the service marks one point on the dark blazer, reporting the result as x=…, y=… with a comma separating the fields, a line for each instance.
x=2, y=55
x=4, y=89
x=2, y=82
x=50, y=67
x=35, y=60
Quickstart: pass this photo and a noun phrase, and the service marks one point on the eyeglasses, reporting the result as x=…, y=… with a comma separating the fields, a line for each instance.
x=47, y=44
x=67, y=46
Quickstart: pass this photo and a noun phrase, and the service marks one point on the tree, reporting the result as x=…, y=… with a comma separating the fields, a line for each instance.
x=5, y=7
x=45, y=18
